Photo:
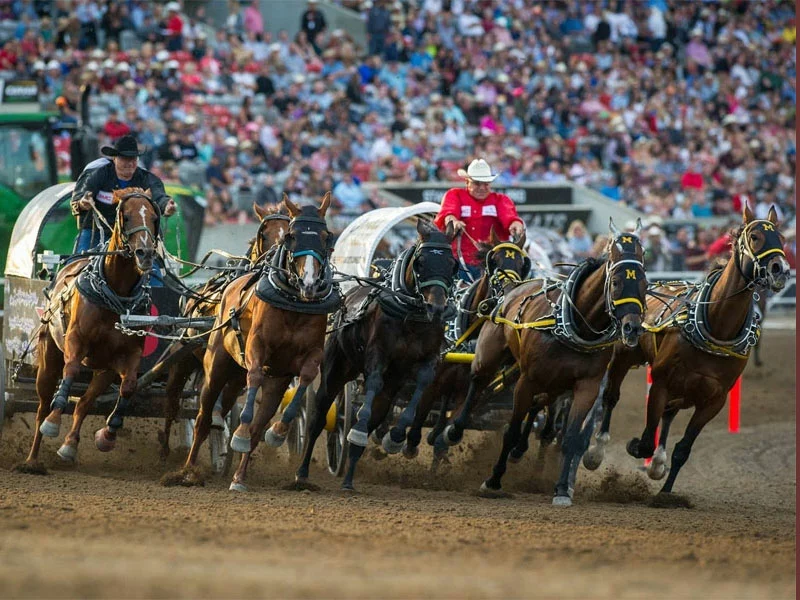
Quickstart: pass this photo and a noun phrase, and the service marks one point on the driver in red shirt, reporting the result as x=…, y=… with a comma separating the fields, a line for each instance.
x=474, y=211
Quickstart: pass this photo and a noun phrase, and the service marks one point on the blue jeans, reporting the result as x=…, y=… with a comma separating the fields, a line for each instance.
x=90, y=238
x=472, y=274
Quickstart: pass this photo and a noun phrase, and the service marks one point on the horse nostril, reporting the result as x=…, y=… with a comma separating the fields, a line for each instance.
x=139, y=252
x=776, y=268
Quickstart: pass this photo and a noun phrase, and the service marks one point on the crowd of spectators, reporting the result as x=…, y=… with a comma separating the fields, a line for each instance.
x=679, y=109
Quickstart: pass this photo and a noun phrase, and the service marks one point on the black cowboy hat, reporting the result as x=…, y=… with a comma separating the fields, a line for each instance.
x=124, y=146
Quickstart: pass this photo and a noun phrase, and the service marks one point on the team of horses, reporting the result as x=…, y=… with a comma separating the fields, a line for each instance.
x=280, y=318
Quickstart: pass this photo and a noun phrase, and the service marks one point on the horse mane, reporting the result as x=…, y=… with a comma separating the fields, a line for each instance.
x=483, y=251
x=121, y=194
x=275, y=209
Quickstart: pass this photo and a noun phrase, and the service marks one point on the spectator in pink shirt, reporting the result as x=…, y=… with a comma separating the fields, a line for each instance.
x=253, y=20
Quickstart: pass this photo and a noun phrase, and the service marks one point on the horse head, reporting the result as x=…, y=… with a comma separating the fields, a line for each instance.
x=309, y=244
x=505, y=261
x=433, y=267
x=758, y=251
x=137, y=226
x=626, y=282
x=274, y=224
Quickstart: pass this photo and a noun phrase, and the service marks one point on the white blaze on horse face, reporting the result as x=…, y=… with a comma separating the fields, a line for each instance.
x=309, y=272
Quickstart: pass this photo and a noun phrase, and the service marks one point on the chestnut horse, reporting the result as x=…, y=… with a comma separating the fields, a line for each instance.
x=561, y=335
x=259, y=336
x=506, y=264
x=389, y=334
x=274, y=223
x=697, y=343
x=87, y=299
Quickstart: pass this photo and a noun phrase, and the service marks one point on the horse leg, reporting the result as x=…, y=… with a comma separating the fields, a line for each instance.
x=657, y=401
x=335, y=373
x=488, y=358
x=576, y=437
x=106, y=438
x=682, y=450
x=618, y=368
x=394, y=439
x=51, y=362
x=276, y=434
x=271, y=393
x=219, y=369
x=521, y=448
x=74, y=352
x=658, y=466
x=179, y=374
x=523, y=399
x=240, y=440
x=100, y=382
x=359, y=433
x=382, y=404
x=433, y=391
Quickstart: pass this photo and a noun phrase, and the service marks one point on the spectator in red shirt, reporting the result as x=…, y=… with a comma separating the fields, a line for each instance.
x=174, y=27
x=475, y=211
x=693, y=178
x=114, y=128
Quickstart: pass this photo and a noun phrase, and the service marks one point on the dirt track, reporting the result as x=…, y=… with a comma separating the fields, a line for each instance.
x=106, y=528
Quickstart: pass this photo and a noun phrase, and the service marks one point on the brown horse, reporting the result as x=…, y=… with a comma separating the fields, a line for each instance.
x=273, y=225
x=698, y=342
x=506, y=264
x=285, y=339
x=389, y=334
x=86, y=301
x=561, y=336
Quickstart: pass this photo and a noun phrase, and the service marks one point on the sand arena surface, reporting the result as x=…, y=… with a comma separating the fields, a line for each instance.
x=106, y=528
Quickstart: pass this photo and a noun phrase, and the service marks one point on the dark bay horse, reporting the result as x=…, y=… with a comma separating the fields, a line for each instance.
x=697, y=343
x=273, y=225
x=506, y=264
x=390, y=335
x=561, y=335
x=276, y=322
x=86, y=301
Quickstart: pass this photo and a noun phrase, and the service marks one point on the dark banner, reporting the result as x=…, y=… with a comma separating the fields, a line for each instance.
x=554, y=219
x=520, y=195
x=18, y=91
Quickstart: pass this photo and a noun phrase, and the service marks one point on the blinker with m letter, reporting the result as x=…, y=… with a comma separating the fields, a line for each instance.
x=626, y=239
x=630, y=273
x=510, y=254
x=768, y=227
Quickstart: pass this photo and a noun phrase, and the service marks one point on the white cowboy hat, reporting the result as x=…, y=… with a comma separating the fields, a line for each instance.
x=478, y=170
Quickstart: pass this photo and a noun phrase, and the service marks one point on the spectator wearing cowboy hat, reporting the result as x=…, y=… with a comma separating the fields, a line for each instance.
x=474, y=212
x=95, y=187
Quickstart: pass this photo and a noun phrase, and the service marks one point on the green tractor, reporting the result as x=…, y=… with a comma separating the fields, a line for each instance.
x=28, y=166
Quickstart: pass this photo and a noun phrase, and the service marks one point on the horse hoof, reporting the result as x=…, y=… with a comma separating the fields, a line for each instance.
x=358, y=438
x=515, y=456
x=105, y=440
x=49, y=428
x=486, y=492
x=451, y=435
x=562, y=501
x=603, y=438
x=273, y=439
x=658, y=466
x=375, y=437
x=410, y=452
x=431, y=437
x=593, y=458
x=68, y=452
x=348, y=487
x=240, y=444
x=390, y=446
x=302, y=483
x=632, y=448
x=237, y=487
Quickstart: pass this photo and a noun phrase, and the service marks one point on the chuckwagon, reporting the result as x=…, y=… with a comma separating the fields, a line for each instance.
x=42, y=236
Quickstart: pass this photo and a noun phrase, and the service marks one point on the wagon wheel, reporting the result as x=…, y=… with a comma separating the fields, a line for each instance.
x=297, y=436
x=337, y=444
x=3, y=394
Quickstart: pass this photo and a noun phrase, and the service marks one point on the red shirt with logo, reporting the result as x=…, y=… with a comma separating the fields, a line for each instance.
x=497, y=211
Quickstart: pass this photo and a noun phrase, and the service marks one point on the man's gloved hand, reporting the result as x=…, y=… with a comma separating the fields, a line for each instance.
x=87, y=202
x=516, y=229
x=170, y=208
x=457, y=225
